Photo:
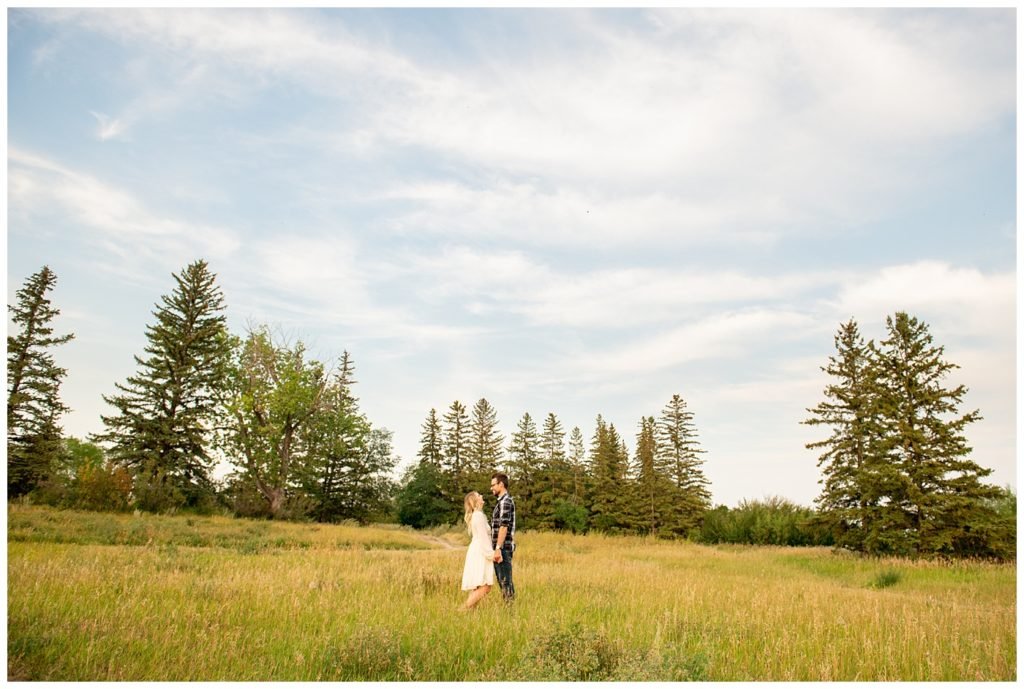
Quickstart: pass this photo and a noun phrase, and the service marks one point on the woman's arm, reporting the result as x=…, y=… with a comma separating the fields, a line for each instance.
x=482, y=535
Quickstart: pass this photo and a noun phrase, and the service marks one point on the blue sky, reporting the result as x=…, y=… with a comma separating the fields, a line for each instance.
x=578, y=212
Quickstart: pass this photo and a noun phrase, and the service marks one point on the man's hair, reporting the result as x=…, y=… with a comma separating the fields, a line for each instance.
x=503, y=478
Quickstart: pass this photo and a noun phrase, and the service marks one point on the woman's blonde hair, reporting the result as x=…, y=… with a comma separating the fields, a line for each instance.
x=470, y=503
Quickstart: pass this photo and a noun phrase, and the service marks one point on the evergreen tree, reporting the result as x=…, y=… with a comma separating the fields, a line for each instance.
x=166, y=412
x=554, y=480
x=484, y=452
x=33, y=387
x=578, y=466
x=929, y=505
x=456, y=447
x=420, y=500
x=851, y=458
x=523, y=469
x=609, y=507
x=679, y=452
x=650, y=482
x=349, y=461
x=431, y=444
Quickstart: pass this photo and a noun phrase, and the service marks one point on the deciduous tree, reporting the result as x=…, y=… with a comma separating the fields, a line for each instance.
x=276, y=396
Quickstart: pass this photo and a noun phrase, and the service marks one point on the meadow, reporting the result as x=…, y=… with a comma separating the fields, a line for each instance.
x=145, y=597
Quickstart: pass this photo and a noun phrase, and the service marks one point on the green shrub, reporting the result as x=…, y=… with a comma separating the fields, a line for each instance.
x=102, y=488
x=155, y=492
x=570, y=517
x=772, y=521
x=577, y=654
x=574, y=654
x=420, y=502
x=372, y=654
x=886, y=578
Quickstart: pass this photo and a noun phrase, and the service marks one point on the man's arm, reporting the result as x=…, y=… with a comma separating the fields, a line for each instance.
x=501, y=539
x=502, y=532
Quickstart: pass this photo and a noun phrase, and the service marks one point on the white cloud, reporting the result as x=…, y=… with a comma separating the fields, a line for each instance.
x=722, y=336
x=122, y=223
x=720, y=122
x=204, y=51
x=963, y=302
x=514, y=283
x=571, y=216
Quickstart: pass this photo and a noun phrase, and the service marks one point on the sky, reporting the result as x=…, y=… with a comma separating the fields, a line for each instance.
x=576, y=211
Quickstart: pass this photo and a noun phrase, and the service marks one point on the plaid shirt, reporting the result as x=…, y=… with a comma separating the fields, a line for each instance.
x=504, y=514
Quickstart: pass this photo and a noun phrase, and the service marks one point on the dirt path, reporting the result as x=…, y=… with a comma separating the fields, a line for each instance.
x=439, y=541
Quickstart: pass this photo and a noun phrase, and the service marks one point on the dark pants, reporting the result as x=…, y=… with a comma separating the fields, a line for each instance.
x=503, y=572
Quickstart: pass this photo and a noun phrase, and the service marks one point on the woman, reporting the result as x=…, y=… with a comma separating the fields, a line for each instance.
x=478, y=574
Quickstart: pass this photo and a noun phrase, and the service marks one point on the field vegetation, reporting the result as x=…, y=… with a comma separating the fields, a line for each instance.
x=148, y=597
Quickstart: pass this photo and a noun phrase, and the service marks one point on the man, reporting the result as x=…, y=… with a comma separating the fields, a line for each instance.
x=503, y=531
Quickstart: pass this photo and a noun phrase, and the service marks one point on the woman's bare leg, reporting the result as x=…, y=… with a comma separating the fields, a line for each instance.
x=475, y=595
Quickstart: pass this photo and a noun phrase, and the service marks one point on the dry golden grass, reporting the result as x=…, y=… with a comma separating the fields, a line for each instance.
x=99, y=597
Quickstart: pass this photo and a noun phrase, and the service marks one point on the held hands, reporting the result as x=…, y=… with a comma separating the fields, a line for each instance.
x=497, y=556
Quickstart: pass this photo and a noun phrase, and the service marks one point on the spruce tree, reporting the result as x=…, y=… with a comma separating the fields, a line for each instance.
x=578, y=466
x=484, y=453
x=420, y=501
x=679, y=452
x=165, y=413
x=431, y=444
x=349, y=461
x=456, y=451
x=609, y=505
x=424, y=498
x=554, y=478
x=851, y=463
x=523, y=468
x=34, y=406
x=650, y=482
x=929, y=506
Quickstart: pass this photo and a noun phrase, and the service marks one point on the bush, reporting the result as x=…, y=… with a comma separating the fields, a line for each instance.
x=568, y=516
x=574, y=654
x=420, y=500
x=372, y=654
x=55, y=491
x=773, y=521
x=577, y=654
x=886, y=578
x=102, y=488
x=155, y=492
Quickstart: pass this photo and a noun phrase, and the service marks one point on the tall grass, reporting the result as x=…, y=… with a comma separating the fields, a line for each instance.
x=100, y=597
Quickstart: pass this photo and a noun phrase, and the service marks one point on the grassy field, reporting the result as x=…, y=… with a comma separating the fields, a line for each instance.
x=143, y=597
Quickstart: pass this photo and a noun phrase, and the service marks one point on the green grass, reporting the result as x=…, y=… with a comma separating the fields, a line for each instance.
x=143, y=597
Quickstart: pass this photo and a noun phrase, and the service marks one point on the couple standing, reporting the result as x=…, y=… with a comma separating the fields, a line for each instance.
x=490, y=551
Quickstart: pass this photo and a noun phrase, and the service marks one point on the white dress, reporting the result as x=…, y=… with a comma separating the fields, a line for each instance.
x=479, y=569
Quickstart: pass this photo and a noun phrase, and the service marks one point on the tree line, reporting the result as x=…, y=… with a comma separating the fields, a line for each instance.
x=287, y=423
x=896, y=472
x=558, y=484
